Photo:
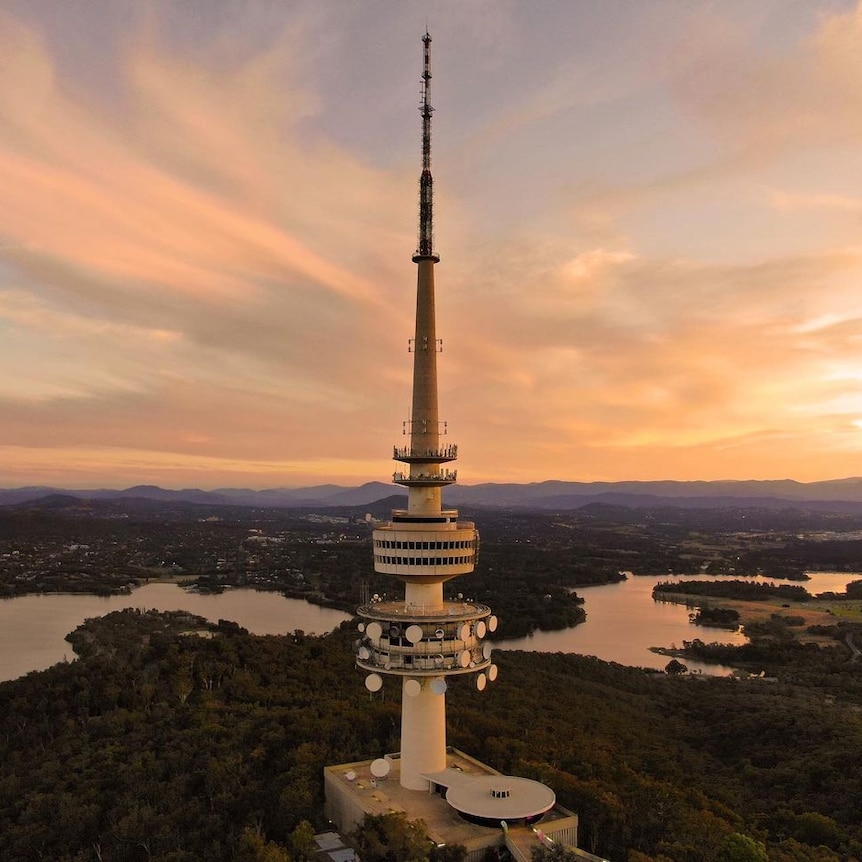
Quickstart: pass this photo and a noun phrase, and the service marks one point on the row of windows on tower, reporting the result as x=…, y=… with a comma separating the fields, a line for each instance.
x=423, y=546
x=422, y=561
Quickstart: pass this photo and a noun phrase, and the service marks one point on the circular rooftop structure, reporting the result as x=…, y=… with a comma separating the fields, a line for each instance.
x=488, y=799
x=448, y=611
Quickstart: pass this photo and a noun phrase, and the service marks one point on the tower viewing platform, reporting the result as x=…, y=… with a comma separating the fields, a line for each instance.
x=409, y=455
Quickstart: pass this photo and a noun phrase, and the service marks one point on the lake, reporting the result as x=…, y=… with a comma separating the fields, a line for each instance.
x=623, y=621
x=33, y=628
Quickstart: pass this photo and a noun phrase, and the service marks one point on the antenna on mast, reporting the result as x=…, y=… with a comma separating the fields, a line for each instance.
x=425, y=246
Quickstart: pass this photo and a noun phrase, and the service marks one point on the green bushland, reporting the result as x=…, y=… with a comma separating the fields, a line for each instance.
x=159, y=745
x=747, y=591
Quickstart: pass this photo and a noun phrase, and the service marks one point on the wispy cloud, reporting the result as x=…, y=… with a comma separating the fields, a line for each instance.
x=649, y=230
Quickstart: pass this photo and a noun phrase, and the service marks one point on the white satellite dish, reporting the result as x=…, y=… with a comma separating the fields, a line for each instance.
x=439, y=634
x=464, y=658
x=486, y=650
x=438, y=686
x=481, y=681
x=380, y=767
x=374, y=682
x=481, y=629
x=361, y=627
x=492, y=672
x=350, y=775
x=492, y=624
x=374, y=630
x=363, y=653
x=414, y=634
x=412, y=687
x=464, y=632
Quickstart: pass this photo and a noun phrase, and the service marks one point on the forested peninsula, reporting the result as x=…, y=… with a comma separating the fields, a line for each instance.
x=160, y=744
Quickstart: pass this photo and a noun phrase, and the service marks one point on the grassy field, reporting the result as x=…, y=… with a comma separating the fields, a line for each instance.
x=817, y=612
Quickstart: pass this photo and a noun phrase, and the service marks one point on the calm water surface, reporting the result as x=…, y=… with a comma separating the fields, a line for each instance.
x=33, y=628
x=623, y=621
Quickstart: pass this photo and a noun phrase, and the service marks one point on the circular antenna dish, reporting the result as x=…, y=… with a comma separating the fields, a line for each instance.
x=439, y=634
x=486, y=650
x=481, y=629
x=414, y=634
x=350, y=775
x=363, y=653
x=481, y=681
x=464, y=658
x=438, y=686
x=412, y=687
x=380, y=768
x=374, y=682
x=492, y=624
x=394, y=631
x=374, y=630
x=492, y=672
x=438, y=660
x=361, y=627
x=464, y=632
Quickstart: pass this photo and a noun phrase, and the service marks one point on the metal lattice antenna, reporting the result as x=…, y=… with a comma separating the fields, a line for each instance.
x=426, y=182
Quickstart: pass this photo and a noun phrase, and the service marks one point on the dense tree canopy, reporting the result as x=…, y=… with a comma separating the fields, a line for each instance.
x=158, y=745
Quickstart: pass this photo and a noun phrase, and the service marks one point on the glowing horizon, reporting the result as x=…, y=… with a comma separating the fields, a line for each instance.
x=647, y=218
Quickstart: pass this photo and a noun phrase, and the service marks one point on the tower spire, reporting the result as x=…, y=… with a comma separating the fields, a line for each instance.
x=425, y=247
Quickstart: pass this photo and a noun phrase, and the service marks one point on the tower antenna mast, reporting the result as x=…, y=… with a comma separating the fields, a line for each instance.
x=425, y=247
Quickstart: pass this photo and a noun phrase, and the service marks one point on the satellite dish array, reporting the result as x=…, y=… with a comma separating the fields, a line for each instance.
x=414, y=634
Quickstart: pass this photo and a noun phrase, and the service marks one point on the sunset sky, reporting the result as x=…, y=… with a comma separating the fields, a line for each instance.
x=649, y=216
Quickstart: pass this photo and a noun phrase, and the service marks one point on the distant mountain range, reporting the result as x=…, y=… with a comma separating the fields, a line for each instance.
x=835, y=495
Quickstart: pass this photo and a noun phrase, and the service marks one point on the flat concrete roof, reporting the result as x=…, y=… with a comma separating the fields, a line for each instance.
x=444, y=824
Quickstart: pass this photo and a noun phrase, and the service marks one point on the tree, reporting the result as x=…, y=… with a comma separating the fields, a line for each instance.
x=448, y=853
x=737, y=847
x=391, y=838
x=253, y=847
x=557, y=853
x=302, y=844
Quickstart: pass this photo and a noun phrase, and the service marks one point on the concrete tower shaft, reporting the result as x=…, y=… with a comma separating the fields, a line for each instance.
x=425, y=498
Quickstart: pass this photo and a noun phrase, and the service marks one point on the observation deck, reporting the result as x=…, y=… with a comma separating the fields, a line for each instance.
x=425, y=456
x=425, y=549
x=435, y=480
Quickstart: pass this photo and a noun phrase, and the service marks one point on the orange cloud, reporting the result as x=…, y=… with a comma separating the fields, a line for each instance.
x=649, y=268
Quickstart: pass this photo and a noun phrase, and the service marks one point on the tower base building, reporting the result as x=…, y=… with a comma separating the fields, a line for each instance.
x=466, y=803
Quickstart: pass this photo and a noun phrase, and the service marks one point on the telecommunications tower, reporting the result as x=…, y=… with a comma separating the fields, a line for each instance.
x=423, y=639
